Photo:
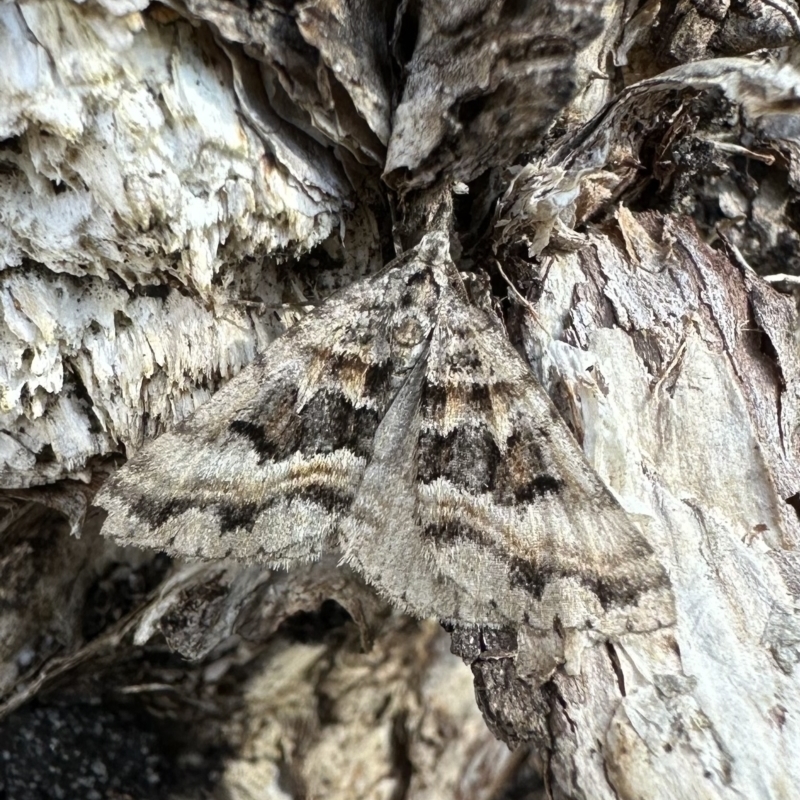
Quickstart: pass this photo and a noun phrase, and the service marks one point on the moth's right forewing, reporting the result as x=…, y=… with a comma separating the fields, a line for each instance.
x=267, y=467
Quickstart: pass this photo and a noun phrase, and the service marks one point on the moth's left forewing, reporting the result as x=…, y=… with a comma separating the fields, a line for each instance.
x=509, y=509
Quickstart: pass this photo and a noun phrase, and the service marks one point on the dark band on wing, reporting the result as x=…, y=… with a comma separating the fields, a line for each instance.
x=523, y=474
x=155, y=513
x=233, y=517
x=433, y=400
x=468, y=457
x=610, y=591
x=334, y=501
x=378, y=385
x=328, y=422
x=348, y=368
x=452, y=531
x=274, y=428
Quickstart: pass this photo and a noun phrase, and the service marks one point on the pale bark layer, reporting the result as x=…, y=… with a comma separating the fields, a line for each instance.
x=178, y=184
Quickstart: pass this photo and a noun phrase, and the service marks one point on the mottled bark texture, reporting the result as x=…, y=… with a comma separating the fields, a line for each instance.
x=181, y=182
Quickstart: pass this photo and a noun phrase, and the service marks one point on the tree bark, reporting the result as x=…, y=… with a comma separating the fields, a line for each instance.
x=180, y=183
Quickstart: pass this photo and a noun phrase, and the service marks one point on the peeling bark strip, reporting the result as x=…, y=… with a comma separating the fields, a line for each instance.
x=181, y=185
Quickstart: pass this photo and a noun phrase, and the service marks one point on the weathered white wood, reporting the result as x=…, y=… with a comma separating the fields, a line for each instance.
x=161, y=170
x=133, y=163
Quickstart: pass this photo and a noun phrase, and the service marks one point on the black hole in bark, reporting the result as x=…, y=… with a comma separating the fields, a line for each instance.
x=407, y=37
x=46, y=455
x=13, y=145
x=515, y=8
x=462, y=211
x=401, y=745
x=794, y=502
x=470, y=109
x=158, y=290
x=121, y=321
x=118, y=591
x=616, y=666
x=311, y=627
x=793, y=214
x=767, y=348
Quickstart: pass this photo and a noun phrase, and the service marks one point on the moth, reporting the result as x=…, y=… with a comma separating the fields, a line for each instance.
x=397, y=425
